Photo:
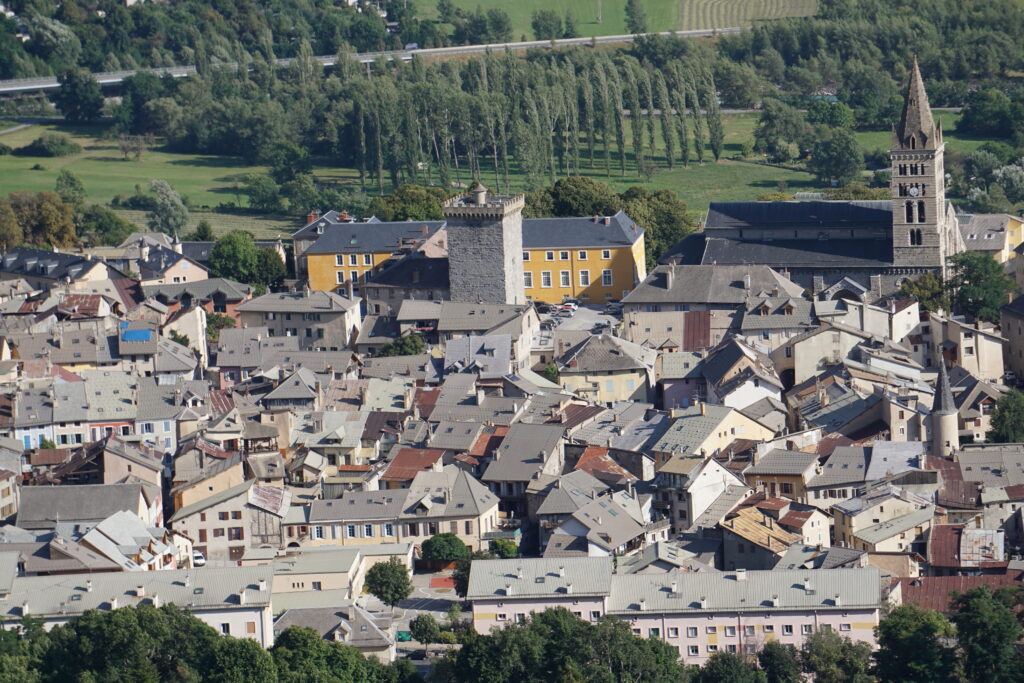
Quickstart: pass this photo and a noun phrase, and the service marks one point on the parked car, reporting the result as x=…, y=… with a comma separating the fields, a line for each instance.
x=612, y=308
x=198, y=559
x=571, y=303
x=565, y=312
x=544, y=309
x=412, y=46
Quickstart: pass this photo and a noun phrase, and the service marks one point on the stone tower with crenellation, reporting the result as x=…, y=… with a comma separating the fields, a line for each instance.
x=485, y=247
x=922, y=232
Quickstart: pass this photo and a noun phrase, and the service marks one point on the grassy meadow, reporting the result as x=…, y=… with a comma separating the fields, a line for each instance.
x=211, y=180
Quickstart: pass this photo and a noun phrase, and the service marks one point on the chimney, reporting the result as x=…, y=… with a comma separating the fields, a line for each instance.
x=479, y=194
x=519, y=572
x=675, y=586
x=313, y=215
x=775, y=601
x=156, y=601
x=113, y=603
x=24, y=609
x=263, y=584
x=807, y=583
x=643, y=604
x=703, y=408
x=241, y=595
x=703, y=602
x=508, y=589
x=568, y=588
x=188, y=580
x=561, y=571
x=140, y=591
x=669, y=277
x=350, y=288
x=88, y=585
x=608, y=220
x=479, y=396
x=143, y=251
x=837, y=600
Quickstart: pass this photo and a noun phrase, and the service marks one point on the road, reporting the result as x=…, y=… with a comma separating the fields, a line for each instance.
x=28, y=85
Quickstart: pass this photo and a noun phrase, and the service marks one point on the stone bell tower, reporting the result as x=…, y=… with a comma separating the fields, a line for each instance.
x=485, y=247
x=919, y=230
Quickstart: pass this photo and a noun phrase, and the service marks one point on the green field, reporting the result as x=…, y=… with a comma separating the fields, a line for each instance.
x=662, y=15
x=210, y=180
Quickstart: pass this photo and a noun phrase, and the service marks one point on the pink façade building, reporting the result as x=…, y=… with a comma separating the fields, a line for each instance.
x=699, y=613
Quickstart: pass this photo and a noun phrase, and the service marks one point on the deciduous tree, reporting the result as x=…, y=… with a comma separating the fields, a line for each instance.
x=911, y=647
x=446, y=547
x=979, y=285
x=389, y=582
x=169, y=214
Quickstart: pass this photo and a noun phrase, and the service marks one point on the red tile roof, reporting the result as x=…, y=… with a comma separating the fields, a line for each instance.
x=409, y=462
x=933, y=592
x=955, y=492
x=425, y=400
x=596, y=462
x=575, y=414
x=488, y=441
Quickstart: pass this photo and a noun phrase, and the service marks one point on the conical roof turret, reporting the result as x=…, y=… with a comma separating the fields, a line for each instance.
x=943, y=394
x=917, y=128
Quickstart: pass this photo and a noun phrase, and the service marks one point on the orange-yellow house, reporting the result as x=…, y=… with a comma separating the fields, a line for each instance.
x=594, y=259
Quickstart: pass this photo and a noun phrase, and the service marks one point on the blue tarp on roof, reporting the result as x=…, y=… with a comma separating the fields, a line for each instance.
x=139, y=335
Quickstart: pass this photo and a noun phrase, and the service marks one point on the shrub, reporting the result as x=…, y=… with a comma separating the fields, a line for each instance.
x=5, y=149
x=50, y=145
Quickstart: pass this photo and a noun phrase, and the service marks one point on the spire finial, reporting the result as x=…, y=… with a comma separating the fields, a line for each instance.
x=916, y=122
x=943, y=402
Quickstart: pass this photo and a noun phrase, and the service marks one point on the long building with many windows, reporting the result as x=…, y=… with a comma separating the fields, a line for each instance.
x=699, y=613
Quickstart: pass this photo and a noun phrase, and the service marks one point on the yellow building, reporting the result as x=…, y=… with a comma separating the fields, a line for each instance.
x=333, y=253
x=593, y=259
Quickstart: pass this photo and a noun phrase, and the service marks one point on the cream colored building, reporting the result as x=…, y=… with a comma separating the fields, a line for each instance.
x=606, y=369
x=706, y=430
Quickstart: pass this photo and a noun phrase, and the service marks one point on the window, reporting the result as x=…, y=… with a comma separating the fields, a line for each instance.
x=526, y=256
x=606, y=278
x=582, y=255
x=501, y=616
x=318, y=532
x=354, y=276
x=367, y=260
x=527, y=279
x=563, y=256
x=844, y=627
x=340, y=277
x=545, y=279
x=595, y=615
x=673, y=632
x=806, y=629
x=787, y=629
x=710, y=630
x=225, y=629
x=350, y=530
x=250, y=627
x=520, y=618
x=769, y=628
x=222, y=515
x=339, y=259
x=730, y=649
x=787, y=487
x=236, y=533
x=469, y=527
x=606, y=254
x=353, y=259
x=584, y=278
x=202, y=535
x=712, y=648
x=549, y=256
x=730, y=631
x=693, y=650
x=389, y=529
x=748, y=631
x=654, y=633
x=691, y=631
x=564, y=280
x=367, y=530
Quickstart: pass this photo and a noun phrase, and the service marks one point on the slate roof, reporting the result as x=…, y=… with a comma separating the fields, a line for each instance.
x=414, y=271
x=984, y=231
x=66, y=596
x=42, y=507
x=489, y=356
x=799, y=253
x=709, y=284
x=539, y=577
x=160, y=260
x=618, y=230
x=313, y=301
x=375, y=238
x=606, y=353
x=825, y=215
x=879, y=532
x=569, y=492
x=45, y=264
x=523, y=452
x=846, y=465
x=202, y=290
x=691, y=428
x=783, y=462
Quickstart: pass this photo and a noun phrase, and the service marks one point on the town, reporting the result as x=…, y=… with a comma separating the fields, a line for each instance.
x=799, y=425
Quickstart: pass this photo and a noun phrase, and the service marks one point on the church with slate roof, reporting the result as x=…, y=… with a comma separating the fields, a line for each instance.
x=859, y=250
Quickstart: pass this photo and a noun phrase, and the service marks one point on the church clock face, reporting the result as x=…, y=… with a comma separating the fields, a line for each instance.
x=914, y=192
